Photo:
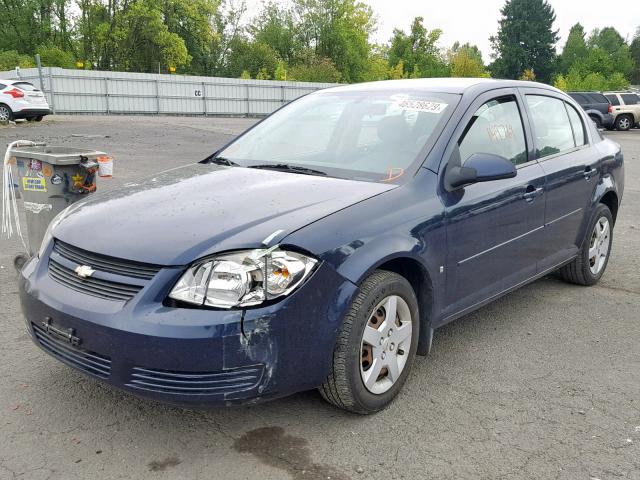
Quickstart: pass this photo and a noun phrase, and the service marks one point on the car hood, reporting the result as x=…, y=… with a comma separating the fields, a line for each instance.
x=190, y=212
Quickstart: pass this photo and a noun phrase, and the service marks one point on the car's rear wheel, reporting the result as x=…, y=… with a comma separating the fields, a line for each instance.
x=624, y=122
x=31, y=119
x=5, y=113
x=376, y=345
x=39, y=118
x=589, y=266
x=596, y=120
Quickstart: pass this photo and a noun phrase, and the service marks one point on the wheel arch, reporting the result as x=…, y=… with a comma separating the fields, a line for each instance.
x=611, y=200
x=419, y=278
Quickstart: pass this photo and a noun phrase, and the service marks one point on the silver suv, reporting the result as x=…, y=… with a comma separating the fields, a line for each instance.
x=626, y=109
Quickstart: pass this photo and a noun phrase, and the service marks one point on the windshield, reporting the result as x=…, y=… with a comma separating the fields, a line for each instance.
x=374, y=136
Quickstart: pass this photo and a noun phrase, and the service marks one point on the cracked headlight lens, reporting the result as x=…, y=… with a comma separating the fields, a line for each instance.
x=243, y=278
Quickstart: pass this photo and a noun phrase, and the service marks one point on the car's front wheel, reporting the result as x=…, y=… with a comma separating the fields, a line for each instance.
x=5, y=113
x=591, y=262
x=376, y=345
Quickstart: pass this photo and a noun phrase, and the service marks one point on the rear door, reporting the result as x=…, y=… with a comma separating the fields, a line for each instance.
x=493, y=228
x=562, y=149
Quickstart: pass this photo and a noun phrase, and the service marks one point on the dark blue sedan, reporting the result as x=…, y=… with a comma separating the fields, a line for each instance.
x=321, y=248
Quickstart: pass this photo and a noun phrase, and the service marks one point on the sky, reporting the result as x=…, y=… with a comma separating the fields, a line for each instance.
x=474, y=21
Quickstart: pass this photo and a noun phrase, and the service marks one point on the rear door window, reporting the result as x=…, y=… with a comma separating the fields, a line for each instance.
x=613, y=99
x=2, y=86
x=496, y=127
x=630, y=98
x=578, y=97
x=551, y=125
x=598, y=98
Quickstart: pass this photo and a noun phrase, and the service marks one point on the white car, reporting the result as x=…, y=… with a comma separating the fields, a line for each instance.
x=20, y=99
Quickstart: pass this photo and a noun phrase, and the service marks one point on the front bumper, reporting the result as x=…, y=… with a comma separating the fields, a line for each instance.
x=189, y=356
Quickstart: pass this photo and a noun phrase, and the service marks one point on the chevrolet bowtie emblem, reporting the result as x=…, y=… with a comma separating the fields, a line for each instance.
x=84, y=271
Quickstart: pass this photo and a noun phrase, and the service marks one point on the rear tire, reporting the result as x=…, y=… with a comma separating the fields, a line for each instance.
x=6, y=115
x=38, y=118
x=624, y=122
x=31, y=119
x=395, y=336
x=597, y=121
x=589, y=266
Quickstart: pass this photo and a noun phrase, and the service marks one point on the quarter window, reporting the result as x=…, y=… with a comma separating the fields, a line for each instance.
x=613, y=99
x=551, y=125
x=495, y=128
x=577, y=125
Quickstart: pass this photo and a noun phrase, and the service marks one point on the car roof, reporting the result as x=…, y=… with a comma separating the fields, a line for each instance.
x=11, y=82
x=440, y=85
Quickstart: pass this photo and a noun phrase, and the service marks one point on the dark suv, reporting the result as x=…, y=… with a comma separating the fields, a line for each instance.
x=597, y=107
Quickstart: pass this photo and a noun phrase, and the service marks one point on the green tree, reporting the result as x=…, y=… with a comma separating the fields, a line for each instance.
x=634, y=51
x=575, y=49
x=143, y=41
x=338, y=30
x=525, y=40
x=252, y=56
x=245, y=75
x=191, y=20
x=377, y=65
x=315, y=69
x=52, y=56
x=466, y=61
x=10, y=59
x=417, y=50
x=275, y=26
x=281, y=71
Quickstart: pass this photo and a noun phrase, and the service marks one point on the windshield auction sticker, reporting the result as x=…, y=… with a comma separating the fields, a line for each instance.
x=422, y=106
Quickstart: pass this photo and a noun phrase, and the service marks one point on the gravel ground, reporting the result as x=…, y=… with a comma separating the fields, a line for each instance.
x=544, y=383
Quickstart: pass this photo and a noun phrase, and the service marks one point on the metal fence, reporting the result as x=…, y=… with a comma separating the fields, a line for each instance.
x=84, y=91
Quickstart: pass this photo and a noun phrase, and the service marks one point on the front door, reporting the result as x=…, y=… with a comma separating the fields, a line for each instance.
x=493, y=228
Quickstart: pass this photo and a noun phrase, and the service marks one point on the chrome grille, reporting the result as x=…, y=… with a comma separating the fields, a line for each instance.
x=85, y=360
x=192, y=383
x=105, y=263
x=91, y=286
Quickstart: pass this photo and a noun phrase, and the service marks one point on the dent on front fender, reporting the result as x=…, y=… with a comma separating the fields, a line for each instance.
x=294, y=339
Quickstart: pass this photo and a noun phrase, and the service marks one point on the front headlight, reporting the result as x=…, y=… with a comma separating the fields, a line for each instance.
x=244, y=278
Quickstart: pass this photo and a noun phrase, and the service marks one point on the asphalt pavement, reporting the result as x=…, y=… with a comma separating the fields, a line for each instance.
x=542, y=384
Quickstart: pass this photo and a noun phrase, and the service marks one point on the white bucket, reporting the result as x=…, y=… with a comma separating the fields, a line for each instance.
x=105, y=166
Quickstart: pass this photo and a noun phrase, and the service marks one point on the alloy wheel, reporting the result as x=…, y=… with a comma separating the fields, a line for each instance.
x=386, y=343
x=5, y=114
x=599, y=245
x=624, y=123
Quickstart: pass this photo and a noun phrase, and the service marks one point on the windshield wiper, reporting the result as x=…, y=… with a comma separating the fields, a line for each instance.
x=220, y=161
x=284, y=167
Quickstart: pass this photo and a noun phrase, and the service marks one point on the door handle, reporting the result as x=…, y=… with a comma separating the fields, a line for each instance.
x=532, y=192
x=589, y=172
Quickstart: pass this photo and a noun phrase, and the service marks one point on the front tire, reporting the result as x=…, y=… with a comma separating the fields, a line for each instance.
x=376, y=345
x=589, y=266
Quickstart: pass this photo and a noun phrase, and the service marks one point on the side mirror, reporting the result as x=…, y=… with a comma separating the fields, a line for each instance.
x=479, y=167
